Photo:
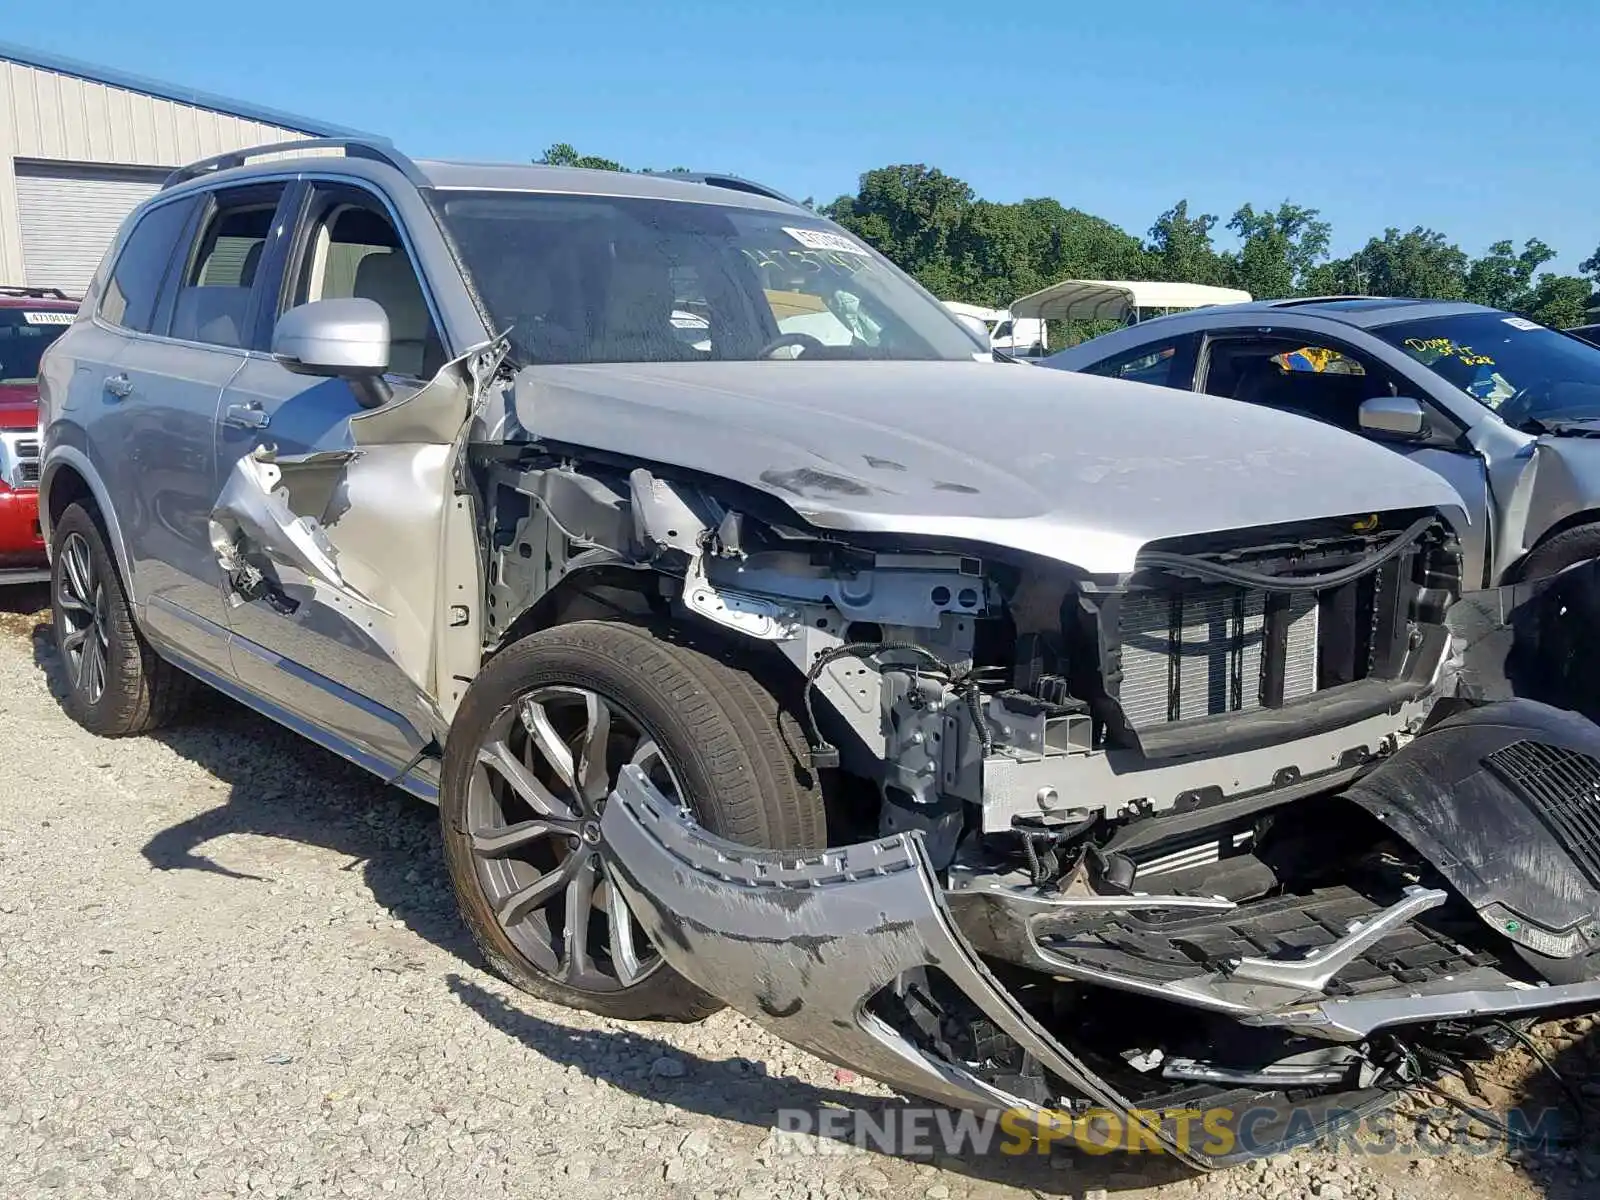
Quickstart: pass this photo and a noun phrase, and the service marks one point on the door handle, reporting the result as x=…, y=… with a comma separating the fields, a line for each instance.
x=118, y=387
x=246, y=416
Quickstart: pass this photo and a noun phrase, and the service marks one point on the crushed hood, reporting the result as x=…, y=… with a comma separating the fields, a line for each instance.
x=1072, y=467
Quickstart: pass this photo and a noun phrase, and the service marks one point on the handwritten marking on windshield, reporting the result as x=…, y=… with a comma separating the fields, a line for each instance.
x=1443, y=347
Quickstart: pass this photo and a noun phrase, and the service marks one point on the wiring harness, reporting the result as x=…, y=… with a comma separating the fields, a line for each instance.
x=964, y=683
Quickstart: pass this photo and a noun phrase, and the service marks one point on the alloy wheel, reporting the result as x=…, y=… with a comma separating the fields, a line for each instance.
x=81, y=600
x=538, y=788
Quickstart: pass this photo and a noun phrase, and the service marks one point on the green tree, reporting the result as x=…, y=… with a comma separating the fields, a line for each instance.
x=1278, y=249
x=1180, y=248
x=1421, y=263
x=990, y=256
x=911, y=213
x=1591, y=266
x=1558, y=301
x=562, y=154
x=1503, y=278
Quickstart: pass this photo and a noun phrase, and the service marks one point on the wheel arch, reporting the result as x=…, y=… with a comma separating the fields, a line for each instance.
x=639, y=595
x=70, y=478
x=1585, y=516
x=601, y=591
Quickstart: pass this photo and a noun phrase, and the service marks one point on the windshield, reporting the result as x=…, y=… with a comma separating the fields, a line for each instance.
x=23, y=336
x=1528, y=374
x=586, y=279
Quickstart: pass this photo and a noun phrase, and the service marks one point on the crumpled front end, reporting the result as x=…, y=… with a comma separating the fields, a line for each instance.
x=1303, y=977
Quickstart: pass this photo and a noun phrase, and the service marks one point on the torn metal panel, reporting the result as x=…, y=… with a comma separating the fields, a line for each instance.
x=255, y=516
x=361, y=539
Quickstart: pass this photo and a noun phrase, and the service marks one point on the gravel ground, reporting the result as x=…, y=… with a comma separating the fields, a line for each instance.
x=230, y=965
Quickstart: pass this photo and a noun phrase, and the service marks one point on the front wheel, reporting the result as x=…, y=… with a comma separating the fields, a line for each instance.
x=1568, y=663
x=533, y=754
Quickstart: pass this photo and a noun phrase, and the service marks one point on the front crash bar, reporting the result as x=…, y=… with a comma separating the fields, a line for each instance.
x=800, y=942
x=1347, y=1019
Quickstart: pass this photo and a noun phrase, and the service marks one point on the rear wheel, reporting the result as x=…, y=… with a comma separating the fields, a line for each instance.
x=534, y=752
x=116, y=684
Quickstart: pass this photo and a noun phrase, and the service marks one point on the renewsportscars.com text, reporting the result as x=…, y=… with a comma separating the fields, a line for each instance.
x=1214, y=1133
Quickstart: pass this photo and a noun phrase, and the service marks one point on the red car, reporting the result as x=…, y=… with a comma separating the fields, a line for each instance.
x=30, y=319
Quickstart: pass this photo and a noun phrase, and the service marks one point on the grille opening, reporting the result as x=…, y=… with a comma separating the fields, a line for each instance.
x=1562, y=788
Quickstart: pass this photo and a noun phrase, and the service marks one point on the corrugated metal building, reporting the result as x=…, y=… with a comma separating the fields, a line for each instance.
x=80, y=145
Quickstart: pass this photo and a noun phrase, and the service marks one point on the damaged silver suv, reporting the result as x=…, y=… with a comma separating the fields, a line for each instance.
x=1015, y=738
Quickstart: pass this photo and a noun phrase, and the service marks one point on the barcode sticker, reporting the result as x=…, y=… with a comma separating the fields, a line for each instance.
x=821, y=239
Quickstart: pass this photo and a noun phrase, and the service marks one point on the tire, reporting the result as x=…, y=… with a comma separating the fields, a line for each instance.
x=706, y=727
x=117, y=686
x=1555, y=554
x=1568, y=662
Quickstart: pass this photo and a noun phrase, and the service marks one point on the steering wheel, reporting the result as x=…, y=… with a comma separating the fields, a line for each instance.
x=804, y=340
x=1518, y=407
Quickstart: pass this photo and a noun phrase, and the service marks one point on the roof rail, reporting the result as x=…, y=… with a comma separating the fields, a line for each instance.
x=733, y=183
x=371, y=149
x=1293, y=301
x=34, y=293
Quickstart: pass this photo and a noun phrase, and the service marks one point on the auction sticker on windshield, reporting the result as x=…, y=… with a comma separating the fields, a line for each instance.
x=1522, y=323
x=48, y=318
x=821, y=239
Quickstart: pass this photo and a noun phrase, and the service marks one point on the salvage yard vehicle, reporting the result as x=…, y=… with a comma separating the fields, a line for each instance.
x=932, y=713
x=1505, y=409
x=30, y=319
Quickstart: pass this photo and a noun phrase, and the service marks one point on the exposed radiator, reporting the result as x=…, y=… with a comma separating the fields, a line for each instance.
x=1199, y=653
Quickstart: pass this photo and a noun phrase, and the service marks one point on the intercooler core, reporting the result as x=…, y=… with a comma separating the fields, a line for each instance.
x=1208, y=650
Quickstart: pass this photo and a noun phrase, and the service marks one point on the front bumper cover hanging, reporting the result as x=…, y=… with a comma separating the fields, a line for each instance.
x=801, y=943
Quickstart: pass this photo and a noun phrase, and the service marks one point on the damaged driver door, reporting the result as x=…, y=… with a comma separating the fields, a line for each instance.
x=334, y=486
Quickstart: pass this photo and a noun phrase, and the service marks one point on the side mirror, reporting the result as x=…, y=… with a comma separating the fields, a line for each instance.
x=342, y=339
x=1395, y=416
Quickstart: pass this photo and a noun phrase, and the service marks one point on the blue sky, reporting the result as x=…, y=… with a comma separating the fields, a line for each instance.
x=1476, y=117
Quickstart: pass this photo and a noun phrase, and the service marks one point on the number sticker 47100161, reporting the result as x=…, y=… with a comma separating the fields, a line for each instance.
x=49, y=318
x=821, y=239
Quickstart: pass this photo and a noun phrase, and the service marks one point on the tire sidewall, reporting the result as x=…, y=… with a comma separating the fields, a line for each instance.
x=539, y=661
x=1569, y=665
x=122, y=655
x=1568, y=548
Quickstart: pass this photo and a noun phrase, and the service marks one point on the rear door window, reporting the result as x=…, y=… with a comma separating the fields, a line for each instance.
x=135, y=285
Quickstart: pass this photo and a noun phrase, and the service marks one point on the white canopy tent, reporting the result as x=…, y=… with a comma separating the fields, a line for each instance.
x=1115, y=300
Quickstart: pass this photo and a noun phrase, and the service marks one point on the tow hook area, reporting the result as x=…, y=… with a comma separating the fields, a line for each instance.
x=803, y=942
